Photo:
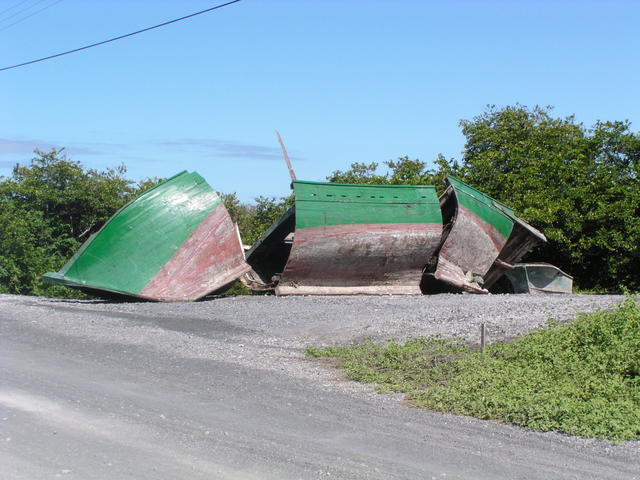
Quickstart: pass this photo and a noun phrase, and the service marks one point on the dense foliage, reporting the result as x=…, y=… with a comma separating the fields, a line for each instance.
x=254, y=219
x=47, y=210
x=581, y=378
x=403, y=171
x=579, y=186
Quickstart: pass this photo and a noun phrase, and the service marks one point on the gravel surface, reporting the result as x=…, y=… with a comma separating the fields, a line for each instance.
x=282, y=415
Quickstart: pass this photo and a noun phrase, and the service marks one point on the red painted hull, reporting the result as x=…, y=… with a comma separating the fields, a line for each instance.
x=470, y=249
x=359, y=259
x=208, y=260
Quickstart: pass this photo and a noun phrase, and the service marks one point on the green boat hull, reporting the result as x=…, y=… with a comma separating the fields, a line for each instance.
x=175, y=242
x=350, y=239
x=482, y=239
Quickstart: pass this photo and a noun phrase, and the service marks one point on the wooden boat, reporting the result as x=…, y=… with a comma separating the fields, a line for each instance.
x=174, y=242
x=349, y=239
x=177, y=242
x=482, y=238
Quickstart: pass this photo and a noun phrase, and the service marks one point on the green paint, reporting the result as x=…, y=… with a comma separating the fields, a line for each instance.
x=326, y=204
x=141, y=238
x=488, y=209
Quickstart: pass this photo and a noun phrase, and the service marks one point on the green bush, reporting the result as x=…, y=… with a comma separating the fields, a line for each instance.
x=47, y=210
x=580, y=186
x=580, y=378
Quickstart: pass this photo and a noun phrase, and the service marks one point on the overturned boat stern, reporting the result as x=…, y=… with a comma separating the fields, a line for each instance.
x=175, y=242
x=482, y=238
x=360, y=239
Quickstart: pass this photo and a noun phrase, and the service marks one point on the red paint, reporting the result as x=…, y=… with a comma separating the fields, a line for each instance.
x=351, y=256
x=472, y=245
x=209, y=259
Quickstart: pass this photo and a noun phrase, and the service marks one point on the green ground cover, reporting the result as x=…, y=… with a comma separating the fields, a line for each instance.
x=581, y=378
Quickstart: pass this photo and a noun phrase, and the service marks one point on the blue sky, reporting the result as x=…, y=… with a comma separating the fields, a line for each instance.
x=343, y=81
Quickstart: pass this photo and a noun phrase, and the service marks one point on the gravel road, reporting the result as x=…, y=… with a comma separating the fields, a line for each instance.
x=219, y=389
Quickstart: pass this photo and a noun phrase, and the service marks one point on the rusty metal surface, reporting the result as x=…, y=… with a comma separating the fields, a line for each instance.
x=348, y=239
x=483, y=238
x=359, y=259
x=468, y=252
x=451, y=274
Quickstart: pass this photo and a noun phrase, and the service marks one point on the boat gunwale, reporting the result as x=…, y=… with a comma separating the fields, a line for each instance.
x=509, y=210
x=369, y=185
x=65, y=281
x=504, y=209
x=542, y=264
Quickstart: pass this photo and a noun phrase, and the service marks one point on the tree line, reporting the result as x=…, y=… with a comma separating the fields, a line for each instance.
x=578, y=185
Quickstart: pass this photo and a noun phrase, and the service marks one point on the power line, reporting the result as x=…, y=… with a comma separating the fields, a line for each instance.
x=29, y=16
x=20, y=11
x=120, y=37
x=13, y=6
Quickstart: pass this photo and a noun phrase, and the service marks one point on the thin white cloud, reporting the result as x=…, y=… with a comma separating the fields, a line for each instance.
x=226, y=149
x=10, y=146
x=22, y=146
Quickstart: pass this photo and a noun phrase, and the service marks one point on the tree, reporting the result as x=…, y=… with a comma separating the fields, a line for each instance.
x=241, y=213
x=360, y=173
x=47, y=210
x=579, y=186
x=403, y=171
x=253, y=220
x=27, y=248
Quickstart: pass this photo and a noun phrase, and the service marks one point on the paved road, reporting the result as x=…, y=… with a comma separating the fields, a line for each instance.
x=219, y=390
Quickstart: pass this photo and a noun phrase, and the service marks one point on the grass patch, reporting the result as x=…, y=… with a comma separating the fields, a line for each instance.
x=580, y=378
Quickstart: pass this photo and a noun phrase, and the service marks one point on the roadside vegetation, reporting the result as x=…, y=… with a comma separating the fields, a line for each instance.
x=581, y=378
x=578, y=185
x=47, y=210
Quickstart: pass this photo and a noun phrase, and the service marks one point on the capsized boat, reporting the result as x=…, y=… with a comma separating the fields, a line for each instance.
x=538, y=278
x=482, y=238
x=174, y=242
x=346, y=239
